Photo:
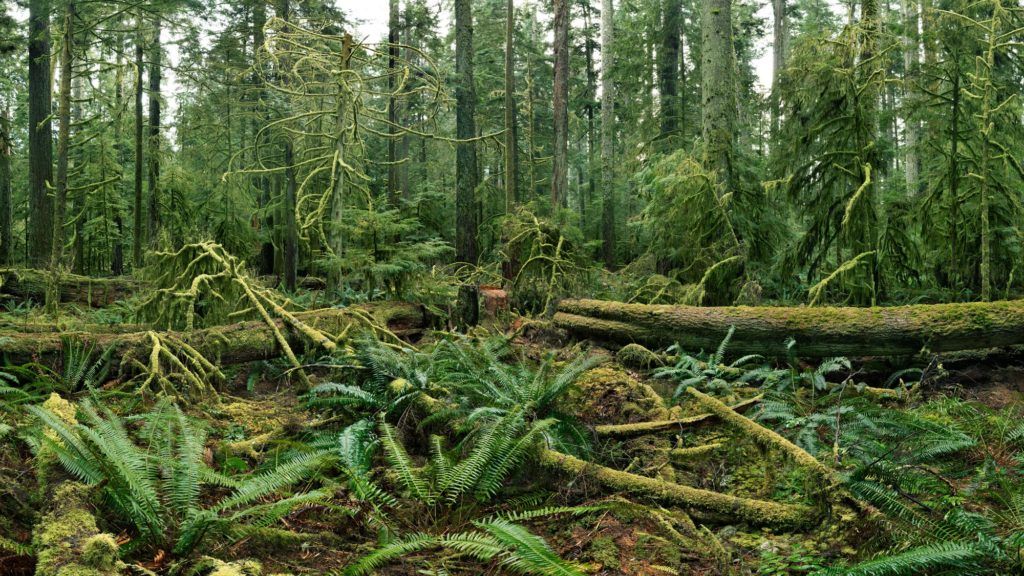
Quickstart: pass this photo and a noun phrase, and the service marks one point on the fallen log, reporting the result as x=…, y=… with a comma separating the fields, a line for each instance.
x=756, y=512
x=229, y=344
x=819, y=332
x=633, y=429
x=30, y=284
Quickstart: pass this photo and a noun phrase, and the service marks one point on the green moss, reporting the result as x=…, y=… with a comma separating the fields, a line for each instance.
x=637, y=356
x=658, y=550
x=61, y=408
x=605, y=552
x=67, y=541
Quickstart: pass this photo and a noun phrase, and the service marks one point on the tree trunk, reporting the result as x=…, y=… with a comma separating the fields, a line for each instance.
x=780, y=48
x=291, y=230
x=560, y=103
x=117, y=258
x=393, y=159
x=819, y=332
x=337, y=236
x=63, y=139
x=138, y=232
x=466, y=215
x=719, y=91
x=607, y=134
x=154, y=134
x=223, y=345
x=589, y=48
x=6, y=206
x=511, y=166
x=40, y=134
x=78, y=197
x=259, y=21
x=911, y=74
x=668, y=69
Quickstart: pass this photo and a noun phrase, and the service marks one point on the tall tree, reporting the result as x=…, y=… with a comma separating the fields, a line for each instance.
x=607, y=134
x=911, y=75
x=155, y=73
x=259, y=22
x=466, y=212
x=394, y=37
x=138, y=232
x=63, y=141
x=511, y=156
x=291, y=230
x=780, y=47
x=6, y=204
x=719, y=90
x=560, y=102
x=40, y=134
x=668, y=67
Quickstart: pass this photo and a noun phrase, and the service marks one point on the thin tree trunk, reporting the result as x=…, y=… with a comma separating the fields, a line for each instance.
x=117, y=257
x=138, y=232
x=668, y=68
x=590, y=48
x=291, y=231
x=607, y=134
x=259, y=21
x=560, y=161
x=40, y=135
x=393, y=40
x=911, y=76
x=63, y=139
x=154, y=135
x=337, y=236
x=719, y=90
x=78, y=201
x=780, y=49
x=511, y=167
x=6, y=206
x=466, y=223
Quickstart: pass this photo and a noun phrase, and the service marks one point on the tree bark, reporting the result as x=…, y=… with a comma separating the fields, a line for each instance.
x=560, y=103
x=6, y=205
x=40, y=134
x=911, y=70
x=819, y=332
x=466, y=214
x=154, y=134
x=259, y=21
x=511, y=166
x=607, y=134
x=719, y=91
x=290, y=256
x=337, y=235
x=224, y=345
x=780, y=49
x=668, y=68
x=63, y=139
x=138, y=232
x=393, y=159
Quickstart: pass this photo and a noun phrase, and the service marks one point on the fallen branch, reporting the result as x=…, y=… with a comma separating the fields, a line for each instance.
x=654, y=426
x=757, y=512
x=819, y=332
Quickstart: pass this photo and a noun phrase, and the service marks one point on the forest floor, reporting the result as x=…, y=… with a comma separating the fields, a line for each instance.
x=939, y=458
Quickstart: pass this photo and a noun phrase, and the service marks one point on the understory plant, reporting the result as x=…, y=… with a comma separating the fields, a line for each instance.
x=154, y=478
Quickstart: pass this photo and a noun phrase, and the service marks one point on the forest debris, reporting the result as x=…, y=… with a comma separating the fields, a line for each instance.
x=691, y=452
x=30, y=284
x=758, y=512
x=653, y=426
x=819, y=332
x=230, y=344
x=758, y=433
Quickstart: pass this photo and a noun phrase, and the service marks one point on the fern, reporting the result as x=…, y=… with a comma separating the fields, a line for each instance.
x=953, y=557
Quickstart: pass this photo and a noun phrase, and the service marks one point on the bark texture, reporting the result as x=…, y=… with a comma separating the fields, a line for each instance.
x=560, y=160
x=466, y=213
x=607, y=133
x=819, y=332
x=40, y=134
x=719, y=90
x=6, y=206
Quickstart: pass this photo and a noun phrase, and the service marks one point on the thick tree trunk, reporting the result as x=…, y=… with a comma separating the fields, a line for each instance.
x=337, y=233
x=290, y=251
x=819, y=332
x=230, y=344
x=259, y=21
x=607, y=134
x=40, y=134
x=911, y=66
x=560, y=161
x=719, y=90
x=668, y=68
x=511, y=166
x=6, y=206
x=466, y=213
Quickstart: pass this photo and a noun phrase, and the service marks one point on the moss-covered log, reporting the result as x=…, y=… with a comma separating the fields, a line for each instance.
x=819, y=332
x=30, y=284
x=757, y=512
x=654, y=426
x=229, y=344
